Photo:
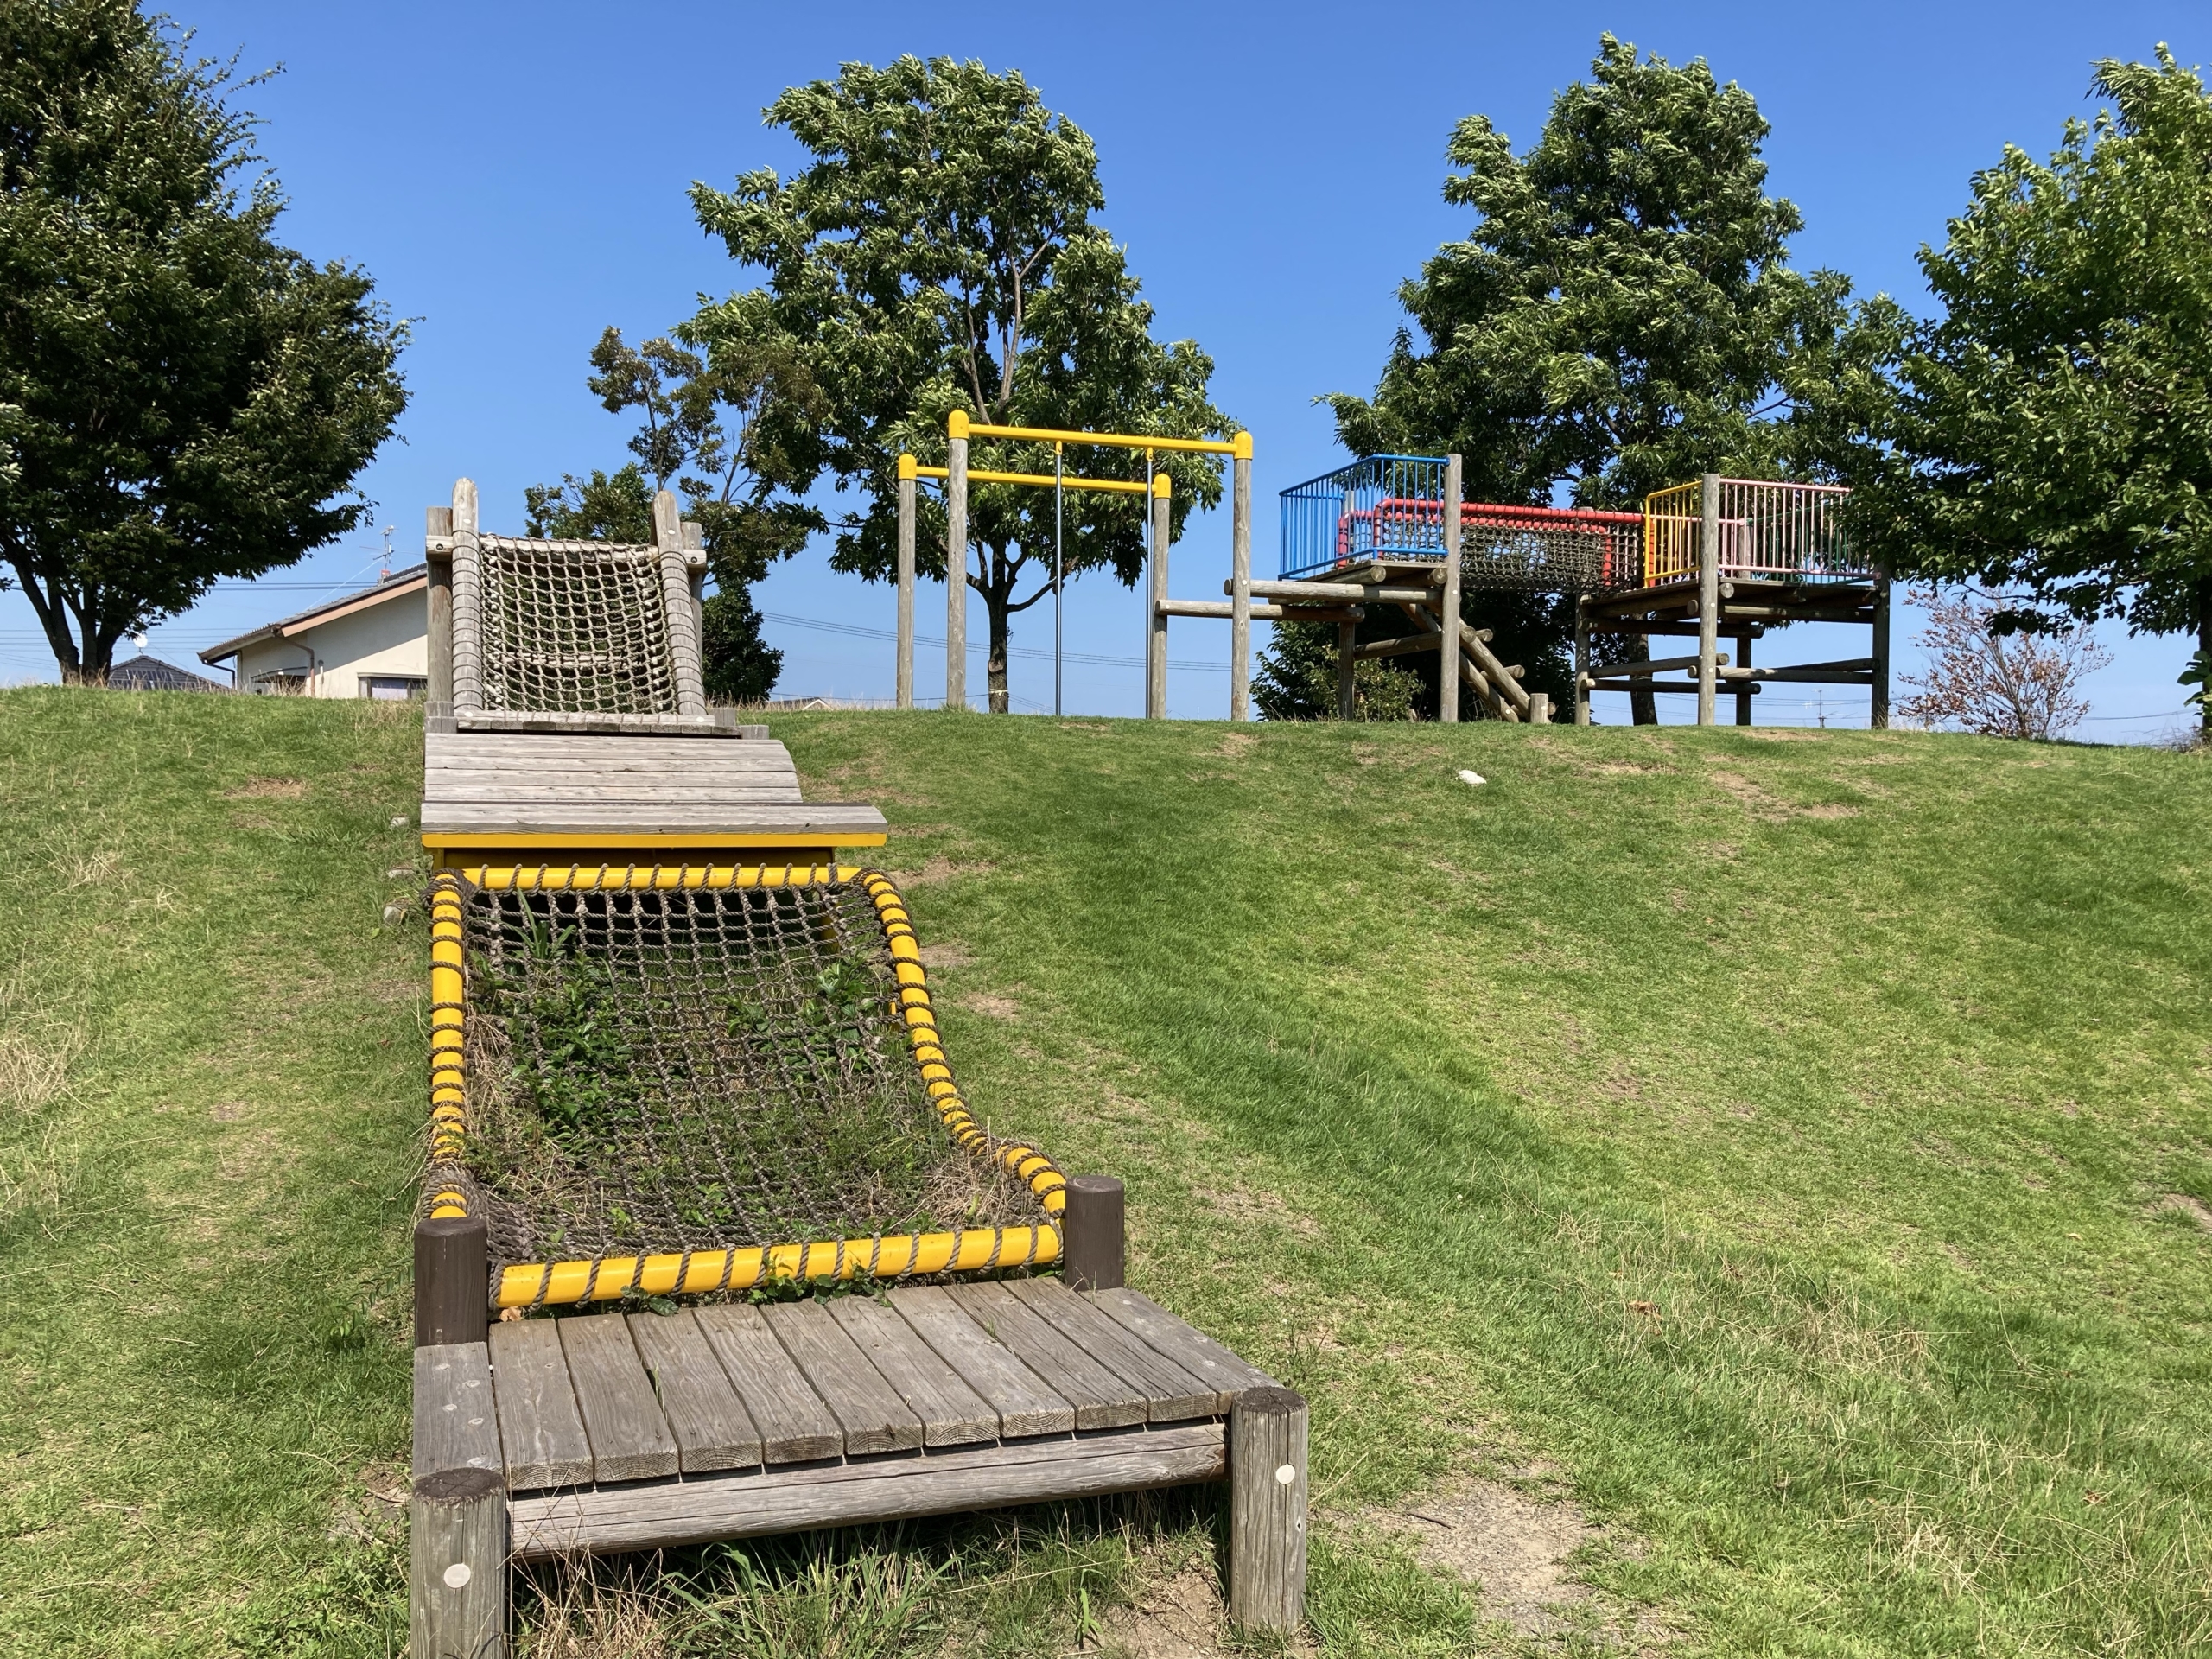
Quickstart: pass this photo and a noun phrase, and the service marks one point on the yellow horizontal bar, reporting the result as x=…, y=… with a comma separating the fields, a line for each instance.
x=957, y=425
x=969, y=1250
x=505, y=879
x=615, y=840
x=976, y=475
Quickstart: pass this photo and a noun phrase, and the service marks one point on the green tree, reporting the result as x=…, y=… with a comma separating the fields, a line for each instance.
x=937, y=253
x=1620, y=318
x=2050, y=433
x=734, y=433
x=185, y=399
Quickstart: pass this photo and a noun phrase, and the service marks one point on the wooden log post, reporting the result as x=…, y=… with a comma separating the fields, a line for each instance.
x=457, y=1577
x=1447, y=643
x=1582, y=659
x=1240, y=575
x=1155, y=634
x=1347, y=641
x=1540, y=707
x=903, y=682
x=452, y=1280
x=1877, y=717
x=467, y=602
x=437, y=556
x=1266, y=1511
x=1093, y=1233
x=1743, y=688
x=956, y=560
x=675, y=598
x=1708, y=597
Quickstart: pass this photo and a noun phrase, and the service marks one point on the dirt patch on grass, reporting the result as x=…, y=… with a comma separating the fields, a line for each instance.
x=1181, y=1618
x=1236, y=743
x=938, y=868
x=2180, y=1204
x=1513, y=1546
x=1769, y=808
x=268, y=789
x=998, y=1007
x=943, y=957
x=1248, y=1204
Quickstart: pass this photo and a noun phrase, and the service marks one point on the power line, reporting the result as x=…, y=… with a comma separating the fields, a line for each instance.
x=1093, y=658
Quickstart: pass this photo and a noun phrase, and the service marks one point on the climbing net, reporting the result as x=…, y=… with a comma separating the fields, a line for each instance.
x=574, y=627
x=714, y=1073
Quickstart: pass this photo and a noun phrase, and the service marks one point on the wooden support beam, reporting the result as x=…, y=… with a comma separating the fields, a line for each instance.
x=1687, y=686
x=1092, y=1233
x=1649, y=665
x=1266, y=1511
x=1476, y=643
x=1219, y=609
x=1353, y=592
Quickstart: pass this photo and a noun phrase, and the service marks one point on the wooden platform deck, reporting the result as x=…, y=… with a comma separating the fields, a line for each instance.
x=480, y=787
x=611, y=1432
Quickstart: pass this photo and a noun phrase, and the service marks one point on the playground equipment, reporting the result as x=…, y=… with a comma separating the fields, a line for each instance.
x=1737, y=557
x=679, y=1049
x=956, y=475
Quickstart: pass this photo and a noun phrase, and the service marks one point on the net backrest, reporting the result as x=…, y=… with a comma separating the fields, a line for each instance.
x=574, y=627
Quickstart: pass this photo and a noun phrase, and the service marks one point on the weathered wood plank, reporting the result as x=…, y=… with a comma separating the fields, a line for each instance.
x=795, y=1425
x=712, y=1428
x=639, y=794
x=642, y=749
x=767, y=817
x=540, y=1431
x=952, y=1414
x=630, y=1439
x=868, y=1408
x=1024, y=1404
x=1189, y=1347
x=1101, y=1398
x=455, y=1423
x=746, y=1506
x=1171, y=1393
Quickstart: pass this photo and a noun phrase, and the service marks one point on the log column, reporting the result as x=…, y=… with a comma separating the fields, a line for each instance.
x=956, y=560
x=903, y=685
x=1447, y=663
x=1879, y=715
x=437, y=556
x=1708, y=599
x=1266, y=1511
x=1155, y=634
x=1093, y=1233
x=1240, y=579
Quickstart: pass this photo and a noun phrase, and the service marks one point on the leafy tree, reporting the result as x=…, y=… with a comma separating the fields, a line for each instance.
x=740, y=485
x=185, y=399
x=1620, y=318
x=937, y=253
x=2051, y=432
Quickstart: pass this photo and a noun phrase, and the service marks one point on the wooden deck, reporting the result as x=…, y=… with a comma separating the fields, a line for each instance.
x=612, y=1432
x=527, y=783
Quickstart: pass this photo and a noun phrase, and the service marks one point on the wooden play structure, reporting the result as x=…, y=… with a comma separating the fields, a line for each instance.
x=678, y=1051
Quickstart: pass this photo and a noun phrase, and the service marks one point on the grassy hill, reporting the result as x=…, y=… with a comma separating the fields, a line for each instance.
x=1788, y=1152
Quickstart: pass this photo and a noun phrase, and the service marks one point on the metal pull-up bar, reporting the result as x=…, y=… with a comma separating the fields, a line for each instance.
x=957, y=476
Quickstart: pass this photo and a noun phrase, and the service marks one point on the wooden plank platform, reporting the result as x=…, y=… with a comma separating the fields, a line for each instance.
x=523, y=783
x=645, y=1430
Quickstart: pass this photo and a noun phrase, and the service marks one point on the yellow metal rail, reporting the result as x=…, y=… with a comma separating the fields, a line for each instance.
x=534, y=1284
x=977, y=475
x=957, y=425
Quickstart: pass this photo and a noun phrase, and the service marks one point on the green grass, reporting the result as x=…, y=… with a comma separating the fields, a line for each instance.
x=1796, y=1143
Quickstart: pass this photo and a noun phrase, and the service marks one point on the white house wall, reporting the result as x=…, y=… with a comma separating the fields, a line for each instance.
x=390, y=639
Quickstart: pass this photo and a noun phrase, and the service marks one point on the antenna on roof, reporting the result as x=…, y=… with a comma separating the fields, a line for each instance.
x=385, y=573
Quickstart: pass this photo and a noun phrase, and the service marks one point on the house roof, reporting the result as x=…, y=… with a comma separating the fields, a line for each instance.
x=143, y=673
x=397, y=585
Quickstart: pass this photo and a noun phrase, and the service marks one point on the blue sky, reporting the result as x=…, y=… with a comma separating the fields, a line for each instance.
x=514, y=179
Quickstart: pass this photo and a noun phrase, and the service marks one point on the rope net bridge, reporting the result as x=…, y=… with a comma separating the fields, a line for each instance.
x=661, y=1087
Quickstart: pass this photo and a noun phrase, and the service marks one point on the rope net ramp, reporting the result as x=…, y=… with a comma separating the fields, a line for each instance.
x=652, y=1081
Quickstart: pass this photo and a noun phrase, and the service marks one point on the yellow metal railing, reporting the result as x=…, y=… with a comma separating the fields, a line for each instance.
x=1765, y=530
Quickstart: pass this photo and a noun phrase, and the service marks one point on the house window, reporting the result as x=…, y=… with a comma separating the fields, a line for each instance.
x=280, y=682
x=394, y=688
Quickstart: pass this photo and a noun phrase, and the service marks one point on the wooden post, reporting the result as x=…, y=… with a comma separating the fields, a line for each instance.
x=1266, y=1511
x=1240, y=577
x=1447, y=643
x=1347, y=637
x=1743, y=687
x=457, y=1577
x=1155, y=633
x=1879, y=715
x=1540, y=707
x=1581, y=658
x=676, y=592
x=437, y=705
x=1708, y=598
x=1093, y=1233
x=903, y=690
x=452, y=1281
x=956, y=560
x=467, y=602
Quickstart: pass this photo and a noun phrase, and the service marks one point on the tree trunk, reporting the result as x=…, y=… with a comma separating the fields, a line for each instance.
x=2204, y=651
x=995, y=603
x=1643, y=706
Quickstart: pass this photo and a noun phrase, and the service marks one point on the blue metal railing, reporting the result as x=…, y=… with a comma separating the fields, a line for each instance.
x=1361, y=511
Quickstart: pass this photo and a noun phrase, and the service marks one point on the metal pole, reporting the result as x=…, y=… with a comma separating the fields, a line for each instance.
x=1155, y=638
x=1447, y=643
x=1240, y=581
x=956, y=560
x=904, y=685
x=1708, y=598
x=1058, y=566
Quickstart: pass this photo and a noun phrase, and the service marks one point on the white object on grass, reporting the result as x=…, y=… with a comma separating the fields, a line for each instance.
x=1471, y=778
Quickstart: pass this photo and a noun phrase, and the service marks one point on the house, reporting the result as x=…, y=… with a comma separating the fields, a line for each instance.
x=143, y=673
x=372, y=644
